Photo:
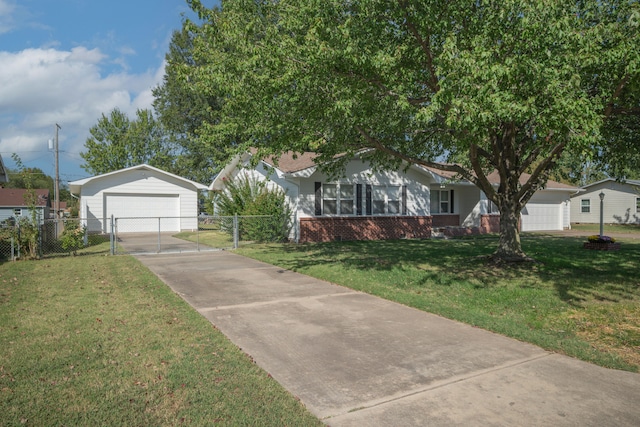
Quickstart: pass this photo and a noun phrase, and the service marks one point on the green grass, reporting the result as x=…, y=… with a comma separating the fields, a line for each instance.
x=607, y=228
x=212, y=238
x=98, y=340
x=582, y=303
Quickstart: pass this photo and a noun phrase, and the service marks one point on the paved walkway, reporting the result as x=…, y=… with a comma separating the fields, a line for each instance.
x=358, y=360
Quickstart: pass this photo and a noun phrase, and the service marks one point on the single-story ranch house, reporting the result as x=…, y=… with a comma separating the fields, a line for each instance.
x=143, y=198
x=621, y=202
x=369, y=205
x=14, y=204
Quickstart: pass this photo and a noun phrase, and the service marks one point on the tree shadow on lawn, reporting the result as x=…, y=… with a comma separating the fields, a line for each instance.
x=577, y=274
x=580, y=274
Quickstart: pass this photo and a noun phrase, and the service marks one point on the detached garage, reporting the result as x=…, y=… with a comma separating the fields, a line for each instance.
x=547, y=210
x=142, y=199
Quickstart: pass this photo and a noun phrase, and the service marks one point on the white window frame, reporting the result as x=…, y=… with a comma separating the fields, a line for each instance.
x=637, y=204
x=17, y=212
x=391, y=201
x=340, y=199
x=492, y=209
x=437, y=202
x=584, y=205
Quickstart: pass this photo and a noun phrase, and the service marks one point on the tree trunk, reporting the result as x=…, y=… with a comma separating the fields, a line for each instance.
x=509, y=245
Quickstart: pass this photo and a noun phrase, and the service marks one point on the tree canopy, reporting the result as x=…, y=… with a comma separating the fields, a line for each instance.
x=182, y=111
x=116, y=142
x=35, y=178
x=470, y=87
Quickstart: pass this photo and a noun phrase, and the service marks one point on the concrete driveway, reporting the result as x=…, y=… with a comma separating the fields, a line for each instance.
x=154, y=242
x=358, y=360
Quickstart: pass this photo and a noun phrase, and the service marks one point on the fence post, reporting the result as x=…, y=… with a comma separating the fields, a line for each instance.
x=112, y=236
x=198, y=234
x=236, y=232
x=13, y=254
x=40, y=228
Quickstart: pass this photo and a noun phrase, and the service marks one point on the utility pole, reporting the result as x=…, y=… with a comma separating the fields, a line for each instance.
x=57, y=186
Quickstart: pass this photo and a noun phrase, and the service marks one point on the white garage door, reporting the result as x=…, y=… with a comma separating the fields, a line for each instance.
x=140, y=212
x=541, y=216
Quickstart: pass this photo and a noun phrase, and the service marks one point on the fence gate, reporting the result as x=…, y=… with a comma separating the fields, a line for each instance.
x=153, y=235
x=139, y=235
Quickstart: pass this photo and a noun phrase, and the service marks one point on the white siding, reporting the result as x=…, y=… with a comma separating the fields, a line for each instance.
x=359, y=172
x=619, y=204
x=301, y=191
x=467, y=199
x=142, y=182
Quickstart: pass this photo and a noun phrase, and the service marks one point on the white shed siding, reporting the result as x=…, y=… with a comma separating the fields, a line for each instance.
x=138, y=182
x=619, y=204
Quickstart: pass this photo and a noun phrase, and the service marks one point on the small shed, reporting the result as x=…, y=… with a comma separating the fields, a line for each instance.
x=142, y=198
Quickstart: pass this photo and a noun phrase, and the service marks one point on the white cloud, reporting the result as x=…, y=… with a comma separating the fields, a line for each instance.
x=42, y=87
x=6, y=16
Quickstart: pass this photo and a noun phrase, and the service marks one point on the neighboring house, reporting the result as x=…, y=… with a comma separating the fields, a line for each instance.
x=368, y=205
x=14, y=203
x=138, y=197
x=621, y=203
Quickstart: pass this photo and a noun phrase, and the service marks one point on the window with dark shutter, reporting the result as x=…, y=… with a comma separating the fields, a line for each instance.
x=404, y=200
x=368, y=200
x=318, y=187
x=358, y=199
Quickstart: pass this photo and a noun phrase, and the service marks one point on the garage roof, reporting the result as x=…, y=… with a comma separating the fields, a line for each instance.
x=74, y=186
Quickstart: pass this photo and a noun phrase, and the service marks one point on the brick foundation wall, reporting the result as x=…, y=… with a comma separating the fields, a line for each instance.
x=327, y=229
x=444, y=220
x=490, y=223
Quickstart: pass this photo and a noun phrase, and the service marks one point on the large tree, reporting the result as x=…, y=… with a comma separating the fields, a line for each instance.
x=116, y=142
x=469, y=87
x=182, y=111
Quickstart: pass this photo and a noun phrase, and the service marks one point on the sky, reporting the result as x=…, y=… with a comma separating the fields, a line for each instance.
x=67, y=62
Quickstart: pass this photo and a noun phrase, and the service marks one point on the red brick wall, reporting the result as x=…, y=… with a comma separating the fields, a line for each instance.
x=444, y=220
x=327, y=229
x=489, y=223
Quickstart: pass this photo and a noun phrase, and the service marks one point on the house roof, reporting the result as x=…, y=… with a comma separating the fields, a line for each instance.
x=14, y=197
x=628, y=181
x=291, y=163
x=494, y=178
x=75, y=186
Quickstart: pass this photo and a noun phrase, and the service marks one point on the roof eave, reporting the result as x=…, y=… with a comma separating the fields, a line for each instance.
x=76, y=186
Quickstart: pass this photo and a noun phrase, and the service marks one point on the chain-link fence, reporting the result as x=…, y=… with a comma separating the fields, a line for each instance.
x=137, y=235
x=22, y=239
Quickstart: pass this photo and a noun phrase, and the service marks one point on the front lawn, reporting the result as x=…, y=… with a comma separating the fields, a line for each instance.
x=579, y=302
x=632, y=229
x=98, y=340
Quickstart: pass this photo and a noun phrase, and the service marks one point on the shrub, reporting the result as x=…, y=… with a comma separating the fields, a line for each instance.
x=274, y=221
x=247, y=196
x=72, y=237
